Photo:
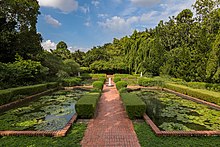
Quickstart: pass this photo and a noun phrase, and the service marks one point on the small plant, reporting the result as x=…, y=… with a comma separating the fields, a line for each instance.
x=98, y=85
x=121, y=84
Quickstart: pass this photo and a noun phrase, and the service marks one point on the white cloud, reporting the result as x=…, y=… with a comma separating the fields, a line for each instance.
x=144, y=3
x=48, y=44
x=119, y=25
x=87, y=23
x=85, y=9
x=63, y=5
x=102, y=15
x=95, y=2
x=52, y=21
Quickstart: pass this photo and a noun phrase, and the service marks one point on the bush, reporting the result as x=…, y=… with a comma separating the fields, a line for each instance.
x=202, y=85
x=71, y=81
x=97, y=76
x=102, y=79
x=149, y=82
x=52, y=85
x=134, y=106
x=86, y=106
x=9, y=95
x=209, y=96
x=97, y=85
x=121, y=75
x=117, y=79
x=123, y=90
x=121, y=84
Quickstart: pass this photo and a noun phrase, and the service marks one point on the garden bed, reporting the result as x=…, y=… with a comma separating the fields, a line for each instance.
x=50, y=115
x=179, y=116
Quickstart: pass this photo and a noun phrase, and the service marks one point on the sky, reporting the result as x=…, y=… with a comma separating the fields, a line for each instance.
x=83, y=24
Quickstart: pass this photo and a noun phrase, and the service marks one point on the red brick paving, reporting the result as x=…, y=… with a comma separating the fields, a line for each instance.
x=111, y=127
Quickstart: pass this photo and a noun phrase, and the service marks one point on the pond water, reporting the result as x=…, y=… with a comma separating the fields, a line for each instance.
x=51, y=112
x=170, y=112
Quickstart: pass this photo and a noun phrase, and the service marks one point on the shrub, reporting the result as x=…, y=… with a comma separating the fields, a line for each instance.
x=9, y=95
x=123, y=90
x=210, y=96
x=71, y=81
x=97, y=85
x=121, y=75
x=97, y=76
x=149, y=82
x=102, y=79
x=5, y=96
x=134, y=106
x=52, y=85
x=86, y=106
x=121, y=84
x=117, y=79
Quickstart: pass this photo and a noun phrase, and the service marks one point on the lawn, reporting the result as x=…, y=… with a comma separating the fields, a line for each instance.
x=72, y=139
x=148, y=139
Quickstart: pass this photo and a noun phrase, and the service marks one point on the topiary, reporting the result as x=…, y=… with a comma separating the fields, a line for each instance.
x=121, y=84
x=97, y=85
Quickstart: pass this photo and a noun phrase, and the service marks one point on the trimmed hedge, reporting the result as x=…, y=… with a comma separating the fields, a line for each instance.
x=74, y=81
x=209, y=96
x=116, y=79
x=202, y=85
x=97, y=85
x=134, y=106
x=9, y=95
x=102, y=79
x=121, y=84
x=149, y=82
x=86, y=106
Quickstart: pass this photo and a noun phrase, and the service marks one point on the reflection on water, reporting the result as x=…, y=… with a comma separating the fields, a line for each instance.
x=170, y=112
x=47, y=113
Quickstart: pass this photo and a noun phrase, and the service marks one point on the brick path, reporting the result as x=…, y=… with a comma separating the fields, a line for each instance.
x=111, y=127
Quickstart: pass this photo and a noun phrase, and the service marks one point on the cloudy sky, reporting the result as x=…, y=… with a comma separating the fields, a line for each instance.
x=83, y=24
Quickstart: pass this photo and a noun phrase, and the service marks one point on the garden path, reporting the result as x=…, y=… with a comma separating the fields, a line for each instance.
x=111, y=127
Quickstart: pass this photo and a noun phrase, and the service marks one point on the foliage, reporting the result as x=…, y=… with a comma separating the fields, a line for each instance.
x=73, y=138
x=117, y=79
x=97, y=85
x=22, y=72
x=149, y=82
x=144, y=132
x=209, y=96
x=18, y=33
x=134, y=106
x=72, y=68
x=121, y=84
x=86, y=106
x=12, y=94
x=72, y=81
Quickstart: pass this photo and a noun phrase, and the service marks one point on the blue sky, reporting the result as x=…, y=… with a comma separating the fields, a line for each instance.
x=83, y=24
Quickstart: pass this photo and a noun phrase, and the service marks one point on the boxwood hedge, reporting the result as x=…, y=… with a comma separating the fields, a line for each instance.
x=134, y=106
x=9, y=95
x=209, y=96
x=86, y=106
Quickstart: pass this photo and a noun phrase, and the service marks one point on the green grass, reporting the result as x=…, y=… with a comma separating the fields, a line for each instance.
x=72, y=139
x=148, y=139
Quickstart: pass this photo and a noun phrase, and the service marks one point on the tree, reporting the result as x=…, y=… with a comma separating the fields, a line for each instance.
x=62, y=51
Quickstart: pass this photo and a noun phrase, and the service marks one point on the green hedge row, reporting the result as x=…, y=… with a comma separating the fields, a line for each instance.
x=98, y=85
x=121, y=84
x=86, y=106
x=209, y=96
x=116, y=79
x=71, y=81
x=134, y=106
x=149, y=82
x=202, y=85
x=9, y=95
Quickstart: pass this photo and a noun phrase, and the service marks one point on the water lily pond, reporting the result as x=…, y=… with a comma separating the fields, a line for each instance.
x=50, y=112
x=170, y=112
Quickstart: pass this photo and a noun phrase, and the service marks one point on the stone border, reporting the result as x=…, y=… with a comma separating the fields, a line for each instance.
x=16, y=103
x=59, y=133
x=158, y=132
